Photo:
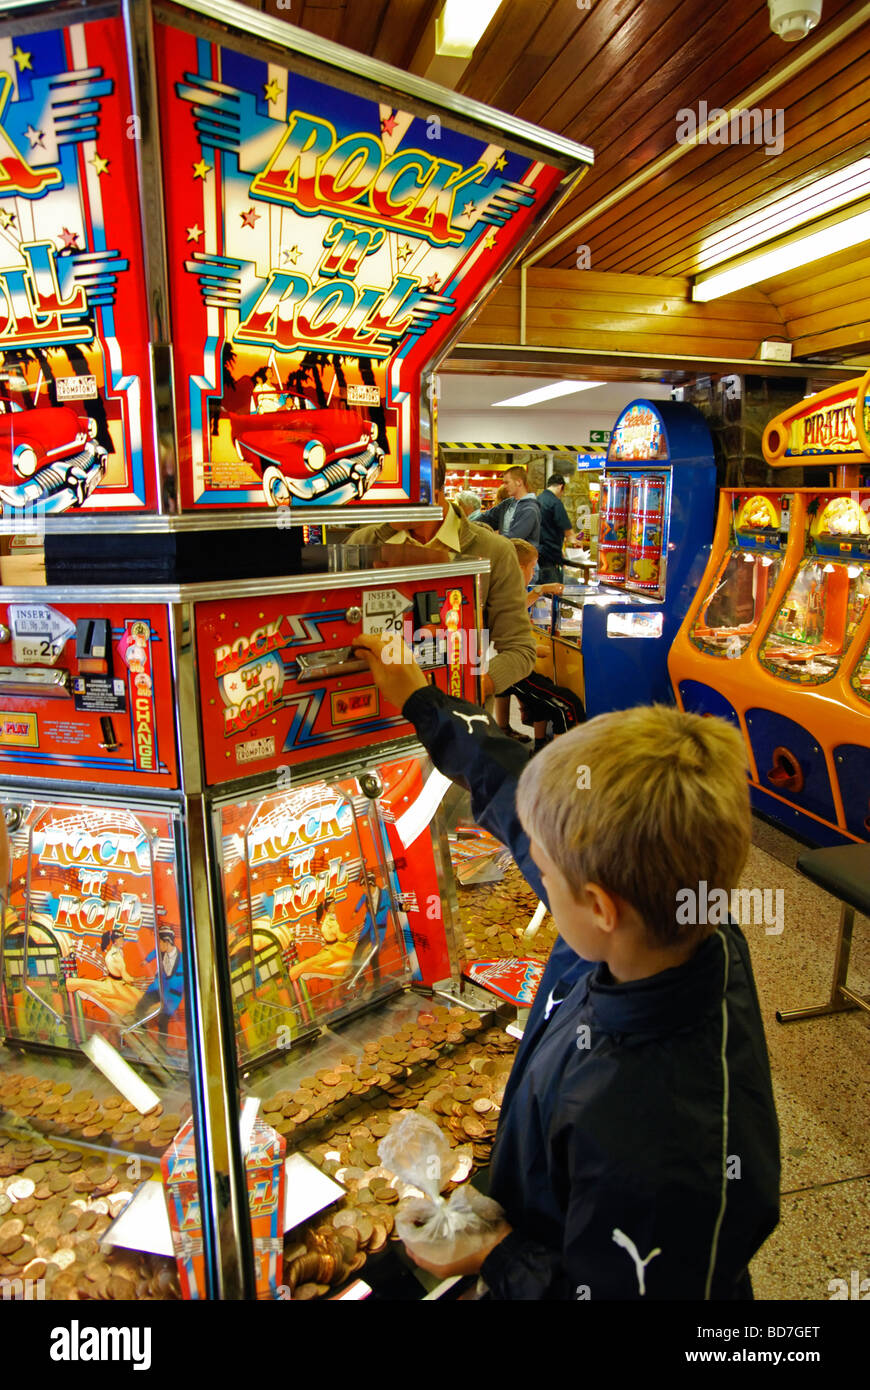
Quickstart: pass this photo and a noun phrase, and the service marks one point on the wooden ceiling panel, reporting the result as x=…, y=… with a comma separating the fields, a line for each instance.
x=699, y=202
x=629, y=145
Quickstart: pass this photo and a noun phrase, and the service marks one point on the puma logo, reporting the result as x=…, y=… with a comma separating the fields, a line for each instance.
x=626, y=1243
x=470, y=719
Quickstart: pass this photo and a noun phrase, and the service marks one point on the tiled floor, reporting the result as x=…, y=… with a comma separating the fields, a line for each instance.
x=820, y=1075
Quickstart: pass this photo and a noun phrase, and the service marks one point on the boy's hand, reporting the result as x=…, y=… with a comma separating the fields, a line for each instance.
x=393, y=668
x=469, y=1264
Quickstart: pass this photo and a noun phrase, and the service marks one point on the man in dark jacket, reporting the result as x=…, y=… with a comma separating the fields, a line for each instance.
x=555, y=529
x=518, y=517
x=637, y=1154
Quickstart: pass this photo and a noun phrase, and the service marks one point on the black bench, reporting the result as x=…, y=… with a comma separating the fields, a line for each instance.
x=843, y=872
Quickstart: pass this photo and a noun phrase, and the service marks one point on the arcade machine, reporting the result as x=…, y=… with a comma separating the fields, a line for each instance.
x=222, y=846
x=755, y=551
x=795, y=686
x=655, y=519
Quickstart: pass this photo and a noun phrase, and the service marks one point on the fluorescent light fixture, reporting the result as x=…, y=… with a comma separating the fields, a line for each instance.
x=812, y=247
x=461, y=25
x=782, y=215
x=547, y=393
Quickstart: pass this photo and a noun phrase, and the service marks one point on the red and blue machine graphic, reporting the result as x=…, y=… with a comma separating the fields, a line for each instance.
x=323, y=249
x=75, y=402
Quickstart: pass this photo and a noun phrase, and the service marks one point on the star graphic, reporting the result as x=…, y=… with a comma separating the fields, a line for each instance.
x=272, y=90
x=469, y=210
x=6, y=218
x=69, y=239
x=489, y=242
x=403, y=252
x=292, y=255
x=201, y=169
x=432, y=283
x=36, y=137
x=23, y=60
x=194, y=233
x=501, y=163
x=249, y=217
x=389, y=123
x=100, y=164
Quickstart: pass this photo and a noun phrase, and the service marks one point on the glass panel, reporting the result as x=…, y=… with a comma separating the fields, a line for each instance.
x=94, y=1087
x=634, y=624
x=569, y=620
x=333, y=906
x=735, y=603
x=312, y=920
x=816, y=621
x=860, y=681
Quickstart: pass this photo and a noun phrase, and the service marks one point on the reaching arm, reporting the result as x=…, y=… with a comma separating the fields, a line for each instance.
x=526, y=525
x=506, y=616
x=492, y=517
x=463, y=742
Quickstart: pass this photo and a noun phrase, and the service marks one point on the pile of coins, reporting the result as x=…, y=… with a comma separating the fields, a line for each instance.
x=329, y=1255
x=56, y=1108
x=461, y=1091
x=55, y=1203
x=383, y=1067
x=494, y=917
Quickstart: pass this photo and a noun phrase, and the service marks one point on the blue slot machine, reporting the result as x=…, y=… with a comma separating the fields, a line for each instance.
x=655, y=532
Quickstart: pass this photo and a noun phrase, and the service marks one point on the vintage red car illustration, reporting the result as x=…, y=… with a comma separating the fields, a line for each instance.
x=49, y=457
x=307, y=453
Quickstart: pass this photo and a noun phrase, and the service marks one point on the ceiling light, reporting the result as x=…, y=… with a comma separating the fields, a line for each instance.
x=461, y=25
x=782, y=215
x=547, y=393
x=801, y=251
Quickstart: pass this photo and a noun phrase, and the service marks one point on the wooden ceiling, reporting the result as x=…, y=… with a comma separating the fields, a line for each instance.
x=614, y=76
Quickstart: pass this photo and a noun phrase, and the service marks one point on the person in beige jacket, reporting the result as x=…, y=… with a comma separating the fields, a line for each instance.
x=502, y=591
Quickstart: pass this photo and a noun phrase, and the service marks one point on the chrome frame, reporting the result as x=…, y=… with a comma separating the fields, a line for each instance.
x=214, y=1074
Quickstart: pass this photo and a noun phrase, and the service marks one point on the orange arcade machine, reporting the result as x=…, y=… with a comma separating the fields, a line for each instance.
x=777, y=639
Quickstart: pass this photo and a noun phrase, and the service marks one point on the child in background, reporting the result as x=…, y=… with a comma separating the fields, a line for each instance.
x=637, y=1153
x=542, y=702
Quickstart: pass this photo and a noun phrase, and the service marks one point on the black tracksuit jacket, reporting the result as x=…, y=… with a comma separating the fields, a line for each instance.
x=637, y=1153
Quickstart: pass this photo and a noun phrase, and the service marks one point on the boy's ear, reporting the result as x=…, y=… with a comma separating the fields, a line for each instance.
x=605, y=906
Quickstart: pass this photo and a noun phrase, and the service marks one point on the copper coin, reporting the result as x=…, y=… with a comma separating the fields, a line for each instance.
x=97, y=1271
x=23, y=1255
x=121, y=1287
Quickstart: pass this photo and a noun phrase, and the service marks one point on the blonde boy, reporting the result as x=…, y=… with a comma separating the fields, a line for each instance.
x=637, y=1154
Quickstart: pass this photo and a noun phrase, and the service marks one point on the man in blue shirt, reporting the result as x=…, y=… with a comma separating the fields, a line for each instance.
x=555, y=529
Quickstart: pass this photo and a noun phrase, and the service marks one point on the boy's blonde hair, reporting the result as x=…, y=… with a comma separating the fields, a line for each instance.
x=643, y=802
x=525, y=550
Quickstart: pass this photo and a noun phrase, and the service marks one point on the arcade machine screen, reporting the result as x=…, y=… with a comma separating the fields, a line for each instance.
x=327, y=909
x=827, y=598
x=91, y=940
x=742, y=587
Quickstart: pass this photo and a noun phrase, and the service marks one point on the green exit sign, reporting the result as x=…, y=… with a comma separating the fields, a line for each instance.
x=599, y=436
